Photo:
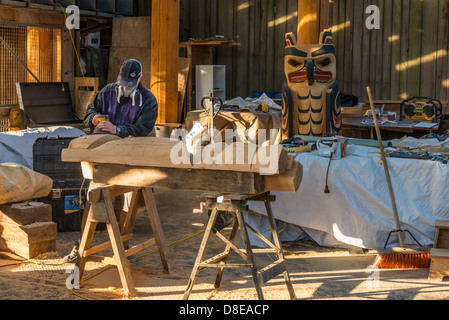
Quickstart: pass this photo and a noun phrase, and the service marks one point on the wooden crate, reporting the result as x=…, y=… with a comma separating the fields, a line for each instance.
x=439, y=254
x=27, y=230
x=439, y=265
x=442, y=234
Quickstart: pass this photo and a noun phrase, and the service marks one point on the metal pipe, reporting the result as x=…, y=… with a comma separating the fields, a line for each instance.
x=18, y=59
x=359, y=142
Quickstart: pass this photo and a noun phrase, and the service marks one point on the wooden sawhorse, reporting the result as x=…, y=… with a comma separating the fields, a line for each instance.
x=102, y=211
x=223, y=214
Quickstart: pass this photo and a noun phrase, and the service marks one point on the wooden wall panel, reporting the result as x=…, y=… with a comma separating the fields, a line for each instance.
x=407, y=56
x=127, y=44
x=442, y=52
x=258, y=25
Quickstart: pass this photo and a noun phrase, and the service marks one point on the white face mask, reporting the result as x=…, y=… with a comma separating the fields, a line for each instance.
x=129, y=93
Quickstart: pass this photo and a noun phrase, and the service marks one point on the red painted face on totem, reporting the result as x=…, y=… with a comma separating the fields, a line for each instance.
x=313, y=69
x=310, y=94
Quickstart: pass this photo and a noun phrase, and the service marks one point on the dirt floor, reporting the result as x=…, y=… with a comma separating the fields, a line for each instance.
x=317, y=273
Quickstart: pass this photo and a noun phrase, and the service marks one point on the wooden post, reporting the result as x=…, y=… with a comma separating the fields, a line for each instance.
x=312, y=17
x=164, y=58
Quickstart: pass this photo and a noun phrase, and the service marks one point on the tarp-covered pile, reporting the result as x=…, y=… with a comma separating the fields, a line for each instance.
x=358, y=210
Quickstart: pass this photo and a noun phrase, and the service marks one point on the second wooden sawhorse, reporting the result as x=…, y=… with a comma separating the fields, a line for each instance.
x=102, y=211
x=231, y=211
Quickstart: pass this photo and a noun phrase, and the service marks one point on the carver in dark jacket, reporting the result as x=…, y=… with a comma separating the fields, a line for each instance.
x=131, y=108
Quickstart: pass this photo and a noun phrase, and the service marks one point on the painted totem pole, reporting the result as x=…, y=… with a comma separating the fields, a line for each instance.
x=311, y=97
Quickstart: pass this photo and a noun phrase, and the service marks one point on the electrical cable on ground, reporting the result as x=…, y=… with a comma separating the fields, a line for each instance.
x=133, y=259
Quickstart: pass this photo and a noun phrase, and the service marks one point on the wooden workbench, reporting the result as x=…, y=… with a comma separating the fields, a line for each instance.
x=352, y=121
x=401, y=127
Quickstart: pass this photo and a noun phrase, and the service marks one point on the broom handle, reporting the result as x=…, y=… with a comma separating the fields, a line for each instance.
x=384, y=161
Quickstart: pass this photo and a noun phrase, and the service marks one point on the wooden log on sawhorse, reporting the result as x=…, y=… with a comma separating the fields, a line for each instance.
x=102, y=211
x=232, y=212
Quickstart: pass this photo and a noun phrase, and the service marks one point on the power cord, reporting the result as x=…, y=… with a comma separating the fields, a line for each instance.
x=133, y=259
x=326, y=189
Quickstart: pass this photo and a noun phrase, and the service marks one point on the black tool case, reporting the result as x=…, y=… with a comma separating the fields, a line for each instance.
x=68, y=194
x=47, y=104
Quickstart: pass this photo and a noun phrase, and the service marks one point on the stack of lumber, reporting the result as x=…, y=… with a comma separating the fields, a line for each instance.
x=439, y=254
x=163, y=163
x=27, y=230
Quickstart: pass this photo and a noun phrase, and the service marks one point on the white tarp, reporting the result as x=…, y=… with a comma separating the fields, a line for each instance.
x=412, y=142
x=358, y=210
x=17, y=146
x=248, y=102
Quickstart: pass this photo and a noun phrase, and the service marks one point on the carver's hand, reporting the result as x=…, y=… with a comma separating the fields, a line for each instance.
x=107, y=126
x=95, y=120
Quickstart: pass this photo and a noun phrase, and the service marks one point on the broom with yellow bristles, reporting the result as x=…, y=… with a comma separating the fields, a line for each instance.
x=397, y=257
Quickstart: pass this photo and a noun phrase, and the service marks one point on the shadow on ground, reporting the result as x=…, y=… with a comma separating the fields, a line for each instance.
x=316, y=272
